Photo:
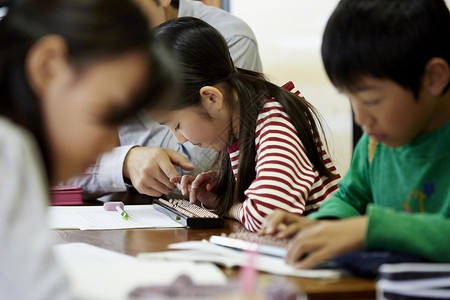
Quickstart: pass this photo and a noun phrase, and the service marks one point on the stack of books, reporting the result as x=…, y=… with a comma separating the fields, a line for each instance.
x=66, y=195
x=414, y=281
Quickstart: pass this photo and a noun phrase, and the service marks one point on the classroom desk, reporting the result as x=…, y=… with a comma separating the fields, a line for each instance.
x=135, y=241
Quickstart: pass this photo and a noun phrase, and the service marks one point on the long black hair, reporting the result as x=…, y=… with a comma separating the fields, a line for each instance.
x=204, y=59
x=92, y=30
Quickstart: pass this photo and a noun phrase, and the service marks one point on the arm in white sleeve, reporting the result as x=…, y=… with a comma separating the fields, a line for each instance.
x=244, y=52
x=107, y=175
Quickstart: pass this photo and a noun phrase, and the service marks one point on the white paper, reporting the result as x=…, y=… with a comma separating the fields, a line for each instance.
x=75, y=253
x=106, y=274
x=207, y=252
x=96, y=218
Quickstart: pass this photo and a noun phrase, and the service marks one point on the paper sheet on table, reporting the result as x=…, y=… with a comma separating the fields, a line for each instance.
x=96, y=218
x=204, y=251
x=75, y=253
x=95, y=273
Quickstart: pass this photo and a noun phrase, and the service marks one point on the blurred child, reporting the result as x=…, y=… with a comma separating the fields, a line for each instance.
x=270, y=155
x=391, y=57
x=70, y=72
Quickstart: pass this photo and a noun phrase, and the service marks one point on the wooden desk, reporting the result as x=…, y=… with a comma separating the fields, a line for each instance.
x=135, y=241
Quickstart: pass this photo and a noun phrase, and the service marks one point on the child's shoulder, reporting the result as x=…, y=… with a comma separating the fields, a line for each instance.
x=17, y=144
x=290, y=87
x=271, y=108
x=273, y=102
x=12, y=135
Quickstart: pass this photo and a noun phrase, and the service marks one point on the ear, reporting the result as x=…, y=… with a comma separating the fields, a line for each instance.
x=437, y=75
x=45, y=60
x=211, y=100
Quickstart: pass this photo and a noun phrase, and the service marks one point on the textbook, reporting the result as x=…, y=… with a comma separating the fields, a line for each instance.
x=206, y=251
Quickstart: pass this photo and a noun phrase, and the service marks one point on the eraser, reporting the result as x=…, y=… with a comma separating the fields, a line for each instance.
x=112, y=205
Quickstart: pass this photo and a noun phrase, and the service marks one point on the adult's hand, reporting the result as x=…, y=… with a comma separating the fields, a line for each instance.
x=150, y=169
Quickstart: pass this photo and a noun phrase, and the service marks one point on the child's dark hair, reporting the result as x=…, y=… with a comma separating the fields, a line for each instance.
x=205, y=60
x=385, y=39
x=175, y=4
x=92, y=29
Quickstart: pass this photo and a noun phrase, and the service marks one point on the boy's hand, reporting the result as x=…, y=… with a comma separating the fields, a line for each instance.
x=198, y=188
x=282, y=224
x=326, y=239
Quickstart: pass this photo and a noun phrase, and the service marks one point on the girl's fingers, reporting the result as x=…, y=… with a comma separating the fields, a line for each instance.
x=176, y=179
x=186, y=180
x=193, y=195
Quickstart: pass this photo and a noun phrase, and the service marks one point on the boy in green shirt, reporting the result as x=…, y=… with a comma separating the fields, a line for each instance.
x=391, y=57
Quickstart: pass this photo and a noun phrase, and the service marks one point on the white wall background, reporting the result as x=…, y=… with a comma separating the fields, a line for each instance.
x=289, y=34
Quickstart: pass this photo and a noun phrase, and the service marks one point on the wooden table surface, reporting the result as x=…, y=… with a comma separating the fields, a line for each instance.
x=135, y=241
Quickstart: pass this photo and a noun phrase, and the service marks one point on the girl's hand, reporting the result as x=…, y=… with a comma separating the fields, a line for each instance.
x=282, y=224
x=326, y=239
x=198, y=188
x=183, y=183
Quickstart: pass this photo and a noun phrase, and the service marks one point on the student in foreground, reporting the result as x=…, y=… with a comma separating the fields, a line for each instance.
x=391, y=57
x=70, y=72
x=270, y=153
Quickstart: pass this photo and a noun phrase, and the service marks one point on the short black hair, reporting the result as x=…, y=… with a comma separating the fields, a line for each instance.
x=175, y=4
x=385, y=39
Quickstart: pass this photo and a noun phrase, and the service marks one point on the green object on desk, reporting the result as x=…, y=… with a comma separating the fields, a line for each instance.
x=123, y=213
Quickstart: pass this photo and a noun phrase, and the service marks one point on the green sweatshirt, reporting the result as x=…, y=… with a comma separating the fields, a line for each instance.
x=404, y=191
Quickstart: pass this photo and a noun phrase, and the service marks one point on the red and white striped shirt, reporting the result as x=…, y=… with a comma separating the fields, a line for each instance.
x=285, y=177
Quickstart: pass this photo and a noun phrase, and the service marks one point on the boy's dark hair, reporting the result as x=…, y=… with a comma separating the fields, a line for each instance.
x=175, y=4
x=385, y=39
x=205, y=60
x=93, y=30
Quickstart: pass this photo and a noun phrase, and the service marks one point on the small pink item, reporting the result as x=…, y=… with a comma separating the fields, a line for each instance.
x=111, y=206
x=249, y=274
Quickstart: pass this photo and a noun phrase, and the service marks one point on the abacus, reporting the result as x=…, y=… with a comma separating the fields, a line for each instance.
x=250, y=241
x=188, y=214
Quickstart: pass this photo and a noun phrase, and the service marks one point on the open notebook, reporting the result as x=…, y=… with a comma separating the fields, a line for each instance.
x=229, y=253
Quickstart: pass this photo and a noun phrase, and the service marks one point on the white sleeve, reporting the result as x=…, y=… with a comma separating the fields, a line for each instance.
x=244, y=52
x=107, y=175
x=29, y=269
